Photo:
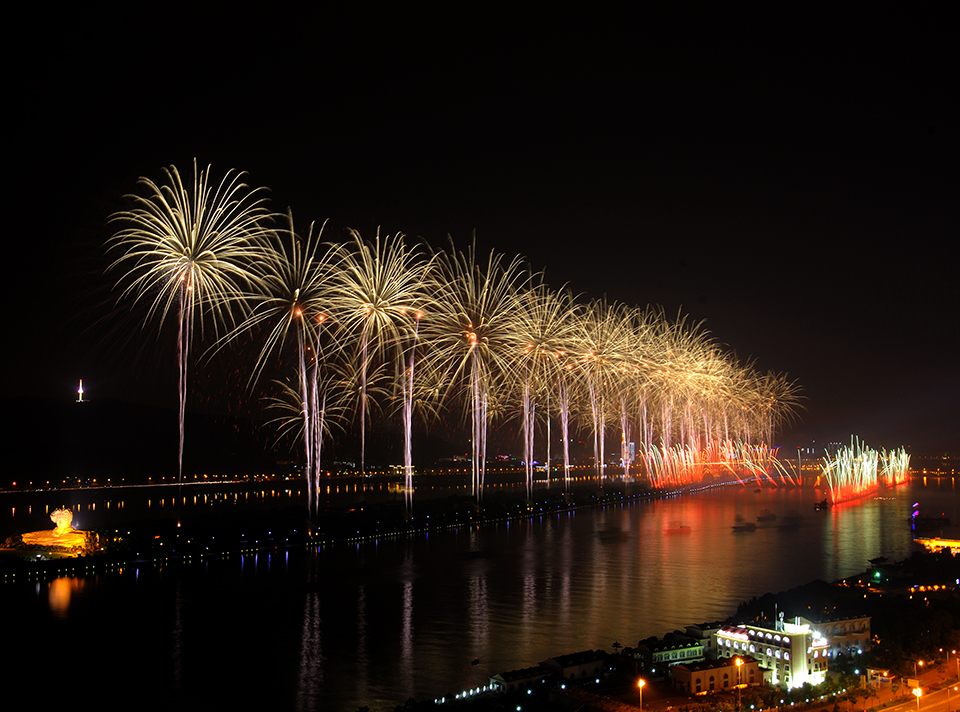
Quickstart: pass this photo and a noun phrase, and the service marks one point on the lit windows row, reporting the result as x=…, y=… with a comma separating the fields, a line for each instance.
x=771, y=636
x=737, y=645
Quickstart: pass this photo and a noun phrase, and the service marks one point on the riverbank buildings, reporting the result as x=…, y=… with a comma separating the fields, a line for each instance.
x=794, y=653
x=789, y=654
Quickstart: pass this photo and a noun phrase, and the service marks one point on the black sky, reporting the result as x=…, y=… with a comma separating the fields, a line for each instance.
x=790, y=179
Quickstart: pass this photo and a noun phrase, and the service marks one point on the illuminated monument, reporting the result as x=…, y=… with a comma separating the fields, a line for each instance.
x=63, y=539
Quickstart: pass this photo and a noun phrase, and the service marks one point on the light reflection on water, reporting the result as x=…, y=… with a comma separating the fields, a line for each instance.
x=379, y=622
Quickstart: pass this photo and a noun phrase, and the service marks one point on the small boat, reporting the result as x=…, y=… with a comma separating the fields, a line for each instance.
x=766, y=516
x=748, y=527
x=820, y=506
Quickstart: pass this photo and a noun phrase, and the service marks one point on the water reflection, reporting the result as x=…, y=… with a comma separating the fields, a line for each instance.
x=310, y=679
x=382, y=621
x=59, y=593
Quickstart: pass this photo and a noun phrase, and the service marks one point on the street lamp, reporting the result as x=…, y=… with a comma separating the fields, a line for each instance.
x=917, y=691
x=640, y=683
x=739, y=663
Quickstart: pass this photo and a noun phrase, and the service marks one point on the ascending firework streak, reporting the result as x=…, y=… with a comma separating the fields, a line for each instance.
x=192, y=250
x=564, y=399
x=407, y=386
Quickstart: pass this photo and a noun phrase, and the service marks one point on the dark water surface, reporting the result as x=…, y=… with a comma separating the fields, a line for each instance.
x=379, y=622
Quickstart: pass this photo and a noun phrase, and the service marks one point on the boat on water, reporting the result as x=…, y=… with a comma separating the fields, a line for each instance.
x=747, y=527
x=767, y=516
x=820, y=506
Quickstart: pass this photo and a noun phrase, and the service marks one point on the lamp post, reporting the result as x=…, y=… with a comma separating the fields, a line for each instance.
x=640, y=683
x=739, y=663
x=917, y=691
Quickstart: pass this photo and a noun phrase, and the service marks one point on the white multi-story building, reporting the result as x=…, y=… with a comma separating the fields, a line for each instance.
x=794, y=653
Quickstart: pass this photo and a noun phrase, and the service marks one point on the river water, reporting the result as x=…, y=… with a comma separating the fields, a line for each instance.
x=378, y=622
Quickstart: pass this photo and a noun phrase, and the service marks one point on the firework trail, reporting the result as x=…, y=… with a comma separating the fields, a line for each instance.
x=497, y=342
x=471, y=338
x=377, y=289
x=192, y=247
x=895, y=466
x=542, y=328
x=289, y=303
x=407, y=385
x=851, y=472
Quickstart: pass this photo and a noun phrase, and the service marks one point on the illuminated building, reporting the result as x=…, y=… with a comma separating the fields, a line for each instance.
x=794, y=653
x=847, y=635
x=673, y=649
x=587, y=664
x=520, y=679
x=706, y=676
x=706, y=633
x=936, y=544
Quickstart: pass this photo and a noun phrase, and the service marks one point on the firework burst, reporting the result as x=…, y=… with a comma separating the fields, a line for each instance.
x=189, y=250
x=381, y=326
x=472, y=335
x=380, y=291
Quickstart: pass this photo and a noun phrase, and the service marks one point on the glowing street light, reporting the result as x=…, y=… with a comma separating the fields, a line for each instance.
x=640, y=683
x=917, y=691
x=739, y=664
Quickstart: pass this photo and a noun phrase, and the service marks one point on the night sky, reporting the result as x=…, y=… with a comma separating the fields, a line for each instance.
x=790, y=180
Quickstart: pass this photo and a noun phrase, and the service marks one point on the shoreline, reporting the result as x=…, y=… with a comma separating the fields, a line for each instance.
x=186, y=540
